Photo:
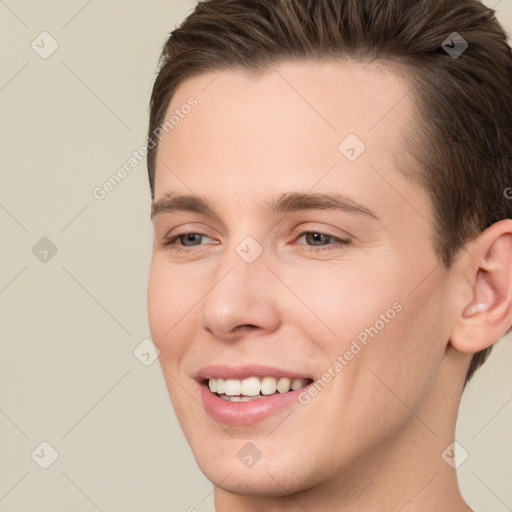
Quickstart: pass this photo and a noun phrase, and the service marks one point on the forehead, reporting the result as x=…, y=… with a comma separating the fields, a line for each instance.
x=287, y=127
x=325, y=100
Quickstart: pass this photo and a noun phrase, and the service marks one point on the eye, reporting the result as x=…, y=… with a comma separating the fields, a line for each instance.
x=189, y=239
x=318, y=240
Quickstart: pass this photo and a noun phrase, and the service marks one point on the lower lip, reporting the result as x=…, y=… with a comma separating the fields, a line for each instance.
x=247, y=413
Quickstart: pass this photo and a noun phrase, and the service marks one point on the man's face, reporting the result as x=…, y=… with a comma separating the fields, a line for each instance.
x=352, y=297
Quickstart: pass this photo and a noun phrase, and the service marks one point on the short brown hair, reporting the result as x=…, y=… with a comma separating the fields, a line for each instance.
x=463, y=137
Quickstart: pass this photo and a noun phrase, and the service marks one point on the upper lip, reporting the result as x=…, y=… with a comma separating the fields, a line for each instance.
x=221, y=371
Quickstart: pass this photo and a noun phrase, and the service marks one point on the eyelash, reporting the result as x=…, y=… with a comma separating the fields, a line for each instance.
x=339, y=242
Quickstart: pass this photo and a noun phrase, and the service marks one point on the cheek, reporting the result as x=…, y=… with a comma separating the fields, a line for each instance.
x=394, y=339
x=395, y=367
x=159, y=303
x=344, y=301
x=401, y=361
x=169, y=302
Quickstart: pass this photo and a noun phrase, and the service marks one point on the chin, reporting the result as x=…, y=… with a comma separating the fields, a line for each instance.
x=255, y=482
x=276, y=476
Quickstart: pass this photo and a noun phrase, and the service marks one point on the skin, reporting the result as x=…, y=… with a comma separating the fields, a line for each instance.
x=372, y=438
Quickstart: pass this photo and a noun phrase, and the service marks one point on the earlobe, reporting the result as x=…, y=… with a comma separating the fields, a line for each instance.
x=487, y=316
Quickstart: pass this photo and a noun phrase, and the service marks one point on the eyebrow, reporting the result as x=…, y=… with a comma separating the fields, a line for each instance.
x=285, y=203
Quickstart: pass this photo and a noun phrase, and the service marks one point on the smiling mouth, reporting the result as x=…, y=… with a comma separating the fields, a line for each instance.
x=253, y=388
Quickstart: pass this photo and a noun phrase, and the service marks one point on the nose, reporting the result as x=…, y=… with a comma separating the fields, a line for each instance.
x=242, y=297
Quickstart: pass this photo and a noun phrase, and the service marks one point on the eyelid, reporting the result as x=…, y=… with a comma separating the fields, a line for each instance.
x=185, y=229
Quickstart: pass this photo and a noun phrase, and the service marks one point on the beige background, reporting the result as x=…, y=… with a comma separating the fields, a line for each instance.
x=68, y=375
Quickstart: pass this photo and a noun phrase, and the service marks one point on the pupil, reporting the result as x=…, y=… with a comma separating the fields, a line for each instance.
x=317, y=237
x=190, y=237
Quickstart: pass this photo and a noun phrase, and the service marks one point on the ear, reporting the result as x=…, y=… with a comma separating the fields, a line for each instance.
x=487, y=316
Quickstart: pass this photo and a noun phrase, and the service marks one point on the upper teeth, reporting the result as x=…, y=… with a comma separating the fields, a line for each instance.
x=253, y=386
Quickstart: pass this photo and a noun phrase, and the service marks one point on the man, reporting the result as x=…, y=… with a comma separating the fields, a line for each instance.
x=333, y=243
